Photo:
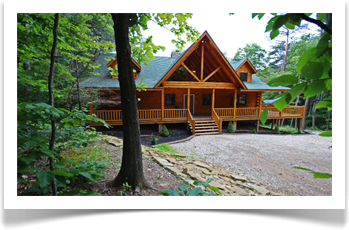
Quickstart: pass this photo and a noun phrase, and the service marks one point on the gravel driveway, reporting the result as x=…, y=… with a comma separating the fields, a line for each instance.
x=269, y=159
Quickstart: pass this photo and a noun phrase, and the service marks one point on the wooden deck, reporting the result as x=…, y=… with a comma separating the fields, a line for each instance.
x=158, y=116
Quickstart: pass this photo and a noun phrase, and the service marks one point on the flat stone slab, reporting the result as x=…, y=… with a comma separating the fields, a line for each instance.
x=259, y=189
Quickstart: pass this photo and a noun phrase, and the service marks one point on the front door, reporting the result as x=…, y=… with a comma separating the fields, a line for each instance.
x=192, y=102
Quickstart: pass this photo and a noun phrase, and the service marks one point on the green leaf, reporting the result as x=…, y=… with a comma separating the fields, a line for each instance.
x=313, y=70
x=254, y=15
x=294, y=19
x=284, y=80
x=324, y=104
x=48, y=152
x=45, y=178
x=61, y=180
x=322, y=175
x=214, y=189
x=290, y=25
x=61, y=173
x=323, y=45
x=314, y=88
x=297, y=90
x=87, y=175
x=260, y=15
x=183, y=189
x=195, y=191
x=281, y=103
x=169, y=192
x=274, y=34
x=326, y=133
x=328, y=83
x=57, y=165
x=264, y=116
x=307, y=56
x=321, y=16
x=296, y=167
x=280, y=21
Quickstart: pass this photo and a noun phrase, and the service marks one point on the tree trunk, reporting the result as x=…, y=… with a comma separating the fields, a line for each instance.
x=51, y=98
x=78, y=83
x=132, y=166
x=286, y=51
x=317, y=98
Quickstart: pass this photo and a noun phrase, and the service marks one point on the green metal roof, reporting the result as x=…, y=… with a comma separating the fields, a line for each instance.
x=154, y=72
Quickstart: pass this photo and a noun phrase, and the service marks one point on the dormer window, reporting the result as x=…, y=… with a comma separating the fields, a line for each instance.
x=243, y=76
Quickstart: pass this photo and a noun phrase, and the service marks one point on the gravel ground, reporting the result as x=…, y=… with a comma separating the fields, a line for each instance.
x=269, y=159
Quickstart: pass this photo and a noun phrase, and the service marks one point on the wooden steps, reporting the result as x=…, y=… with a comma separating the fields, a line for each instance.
x=205, y=127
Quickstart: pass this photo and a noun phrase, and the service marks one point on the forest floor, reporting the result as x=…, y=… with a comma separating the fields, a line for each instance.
x=156, y=174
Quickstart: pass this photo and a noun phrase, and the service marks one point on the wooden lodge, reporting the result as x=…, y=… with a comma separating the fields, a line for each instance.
x=219, y=90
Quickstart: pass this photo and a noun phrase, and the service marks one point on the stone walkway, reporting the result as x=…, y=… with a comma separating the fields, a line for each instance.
x=190, y=169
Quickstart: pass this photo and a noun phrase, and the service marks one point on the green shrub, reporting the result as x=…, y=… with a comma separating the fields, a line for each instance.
x=277, y=130
x=153, y=140
x=299, y=131
x=164, y=132
x=254, y=131
x=230, y=127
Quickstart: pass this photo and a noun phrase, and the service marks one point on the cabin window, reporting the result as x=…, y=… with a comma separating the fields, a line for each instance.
x=170, y=100
x=206, y=99
x=242, y=99
x=243, y=76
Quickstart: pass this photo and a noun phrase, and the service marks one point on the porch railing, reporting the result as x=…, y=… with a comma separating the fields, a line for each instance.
x=191, y=120
x=240, y=112
x=149, y=114
x=175, y=113
x=108, y=115
x=217, y=120
x=144, y=114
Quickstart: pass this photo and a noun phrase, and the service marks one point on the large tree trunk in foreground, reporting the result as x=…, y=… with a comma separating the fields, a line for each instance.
x=51, y=98
x=132, y=166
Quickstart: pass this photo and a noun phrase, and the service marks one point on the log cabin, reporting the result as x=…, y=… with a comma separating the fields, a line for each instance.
x=198, y=86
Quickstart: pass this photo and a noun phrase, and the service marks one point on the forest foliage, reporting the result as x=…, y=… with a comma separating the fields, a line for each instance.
x=81, y=38
x=299, y=59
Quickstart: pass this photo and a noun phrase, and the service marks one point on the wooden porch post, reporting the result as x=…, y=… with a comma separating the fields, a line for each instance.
x=90, y=100
x=272, y=124
x=279, y=121
x=213, y=99
x=260, y=104
x=188, y=99
x=162, y=103
x=235, y=95
x=258, y=122
x=300, y=124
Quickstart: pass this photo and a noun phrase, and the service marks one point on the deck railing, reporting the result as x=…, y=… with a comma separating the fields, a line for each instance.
x=294, y=110
x=225, y=112
x=181, y=114
x=108, y=115
x=175, y=113
x=149, y=114
x=191, y=120
x=246, y=112
x=217, y=120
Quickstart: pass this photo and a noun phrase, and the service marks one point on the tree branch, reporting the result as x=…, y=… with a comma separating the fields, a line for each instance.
x=317, y=22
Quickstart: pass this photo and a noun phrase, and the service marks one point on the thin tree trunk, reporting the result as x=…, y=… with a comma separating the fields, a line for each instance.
x=328, y=119
x=132, y=166
x=286, y=51
x=317, y=98
x=78, y=83
x=51, y=98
